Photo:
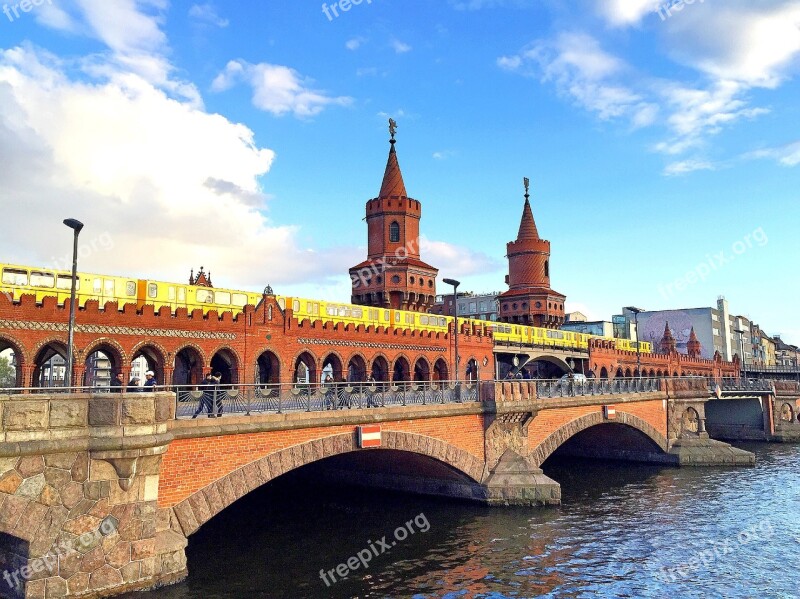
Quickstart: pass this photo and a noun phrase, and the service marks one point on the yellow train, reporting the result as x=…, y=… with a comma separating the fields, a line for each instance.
x=16, y=281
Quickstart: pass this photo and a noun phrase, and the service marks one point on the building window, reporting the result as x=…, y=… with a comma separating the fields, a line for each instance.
x=547, y=268
x=394, y=232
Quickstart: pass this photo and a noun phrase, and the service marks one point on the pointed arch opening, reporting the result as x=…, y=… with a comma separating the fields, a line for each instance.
x=268, y=369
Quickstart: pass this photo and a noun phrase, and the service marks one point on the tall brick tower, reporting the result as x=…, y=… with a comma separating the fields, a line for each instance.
x=394, y=275
x=530, y=300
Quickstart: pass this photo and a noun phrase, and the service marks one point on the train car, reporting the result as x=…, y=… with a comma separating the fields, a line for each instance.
x=191, y=297
x=17, y=280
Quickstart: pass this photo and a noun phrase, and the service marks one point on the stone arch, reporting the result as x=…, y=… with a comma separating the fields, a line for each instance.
x=554, y=360
x=379, y=368
x=357, y=368
x=154, y=354
x=620, y=373
x=422, y=370
x=268, y=368
x=227, y=362
x=690, y=422
x=46, y=368
x=332, y=364
x=190, y=361
x=471, y=370
x=202, y=505
x=440, y=370
x=565, y=432
x=401, y=369
x=97, y=373
x=627, y=373
x=20, y=357
x=603, y=373
x=787, y=412
x=304, y=368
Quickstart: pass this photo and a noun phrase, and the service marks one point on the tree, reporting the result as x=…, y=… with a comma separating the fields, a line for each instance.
x=8, y=374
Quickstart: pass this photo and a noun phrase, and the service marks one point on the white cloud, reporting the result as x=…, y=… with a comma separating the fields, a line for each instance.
x=207, y=13
x=619, y=13
x=688, y=166
x=787, y=155
x=481, y=4
x=172, y=185
x=455, y=260
x=354, y=43
x=277, y=89
x=399, y=47
x=443, y=154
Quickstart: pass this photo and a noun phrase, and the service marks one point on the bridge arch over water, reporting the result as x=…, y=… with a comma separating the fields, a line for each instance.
x=202, y=505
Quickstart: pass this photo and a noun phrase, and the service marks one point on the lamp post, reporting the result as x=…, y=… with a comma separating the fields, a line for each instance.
x=455, y=285
x=741, y=344
x=636, y=312
x=76, y=226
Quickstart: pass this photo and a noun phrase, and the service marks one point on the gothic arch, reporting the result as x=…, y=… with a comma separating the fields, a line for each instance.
x=268, y=366
x=206, y=503
x=119, y=354
x=193, y=347
x=556, y=439
x=14, y=344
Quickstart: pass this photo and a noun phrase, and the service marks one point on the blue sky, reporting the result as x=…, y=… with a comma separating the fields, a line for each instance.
x=247, y=137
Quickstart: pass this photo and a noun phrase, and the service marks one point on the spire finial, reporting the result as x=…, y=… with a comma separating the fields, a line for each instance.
x=392, y=129
x=527, y=183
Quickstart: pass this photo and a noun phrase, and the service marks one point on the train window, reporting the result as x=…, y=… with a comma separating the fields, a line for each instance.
x=108, y=287
x=173, y=294
x=223, y=297
x=315, y=309
x=42, y=279
x=282, y=303
x=386, y=315
x=397, y=317
x=130, y=288
x=97, y=285
x=373, y=314
x=442, y=322
x=296, y=305
x=343, y=311
x=239, y=299
x=423, y=320
x=204, y=296
x=330, y=310
x=409, y=319
x=12, y=276
x=181, y=294
x=358, y=313
x=152, y=291
x=64, y=282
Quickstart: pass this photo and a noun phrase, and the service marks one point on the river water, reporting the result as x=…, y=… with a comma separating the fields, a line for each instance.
x=624, y=530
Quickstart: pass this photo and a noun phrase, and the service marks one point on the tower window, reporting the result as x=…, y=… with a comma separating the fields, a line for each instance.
x=547, y=268
x=394, y=232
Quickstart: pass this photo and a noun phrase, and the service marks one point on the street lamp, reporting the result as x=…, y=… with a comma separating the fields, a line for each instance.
x=636, y=312
x=76, y=226
x=741, y=343
x=455, y=285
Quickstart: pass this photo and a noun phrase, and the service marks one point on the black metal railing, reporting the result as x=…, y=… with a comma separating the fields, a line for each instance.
x=740, y=385
x=576, y=388
x=215, y=400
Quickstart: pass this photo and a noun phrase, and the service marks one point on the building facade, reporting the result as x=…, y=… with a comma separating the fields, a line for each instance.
x=480, y=306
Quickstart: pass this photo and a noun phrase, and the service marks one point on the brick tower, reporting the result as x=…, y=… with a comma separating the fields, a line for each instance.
x=530, y=300
x=693, y=347
x=667, y=344
x=394, y=275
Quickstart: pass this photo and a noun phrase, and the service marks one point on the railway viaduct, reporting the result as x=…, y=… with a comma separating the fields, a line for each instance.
x=99, y=494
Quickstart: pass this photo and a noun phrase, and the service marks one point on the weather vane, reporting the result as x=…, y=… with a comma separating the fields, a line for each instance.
x=527, y=183
x=392, y=128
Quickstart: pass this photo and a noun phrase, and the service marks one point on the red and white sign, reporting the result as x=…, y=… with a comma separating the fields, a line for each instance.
x=369, y=436
x=609, y=412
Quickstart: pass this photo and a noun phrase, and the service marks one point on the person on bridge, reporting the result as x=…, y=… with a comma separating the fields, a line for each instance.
x=117, y=384
x=207, y=398
x=133, y=385
x=150, y=381
x=219, y=395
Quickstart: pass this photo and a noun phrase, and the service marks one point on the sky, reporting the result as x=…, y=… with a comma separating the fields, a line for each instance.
x=662, y=142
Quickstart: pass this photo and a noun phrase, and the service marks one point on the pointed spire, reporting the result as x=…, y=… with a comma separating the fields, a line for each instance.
x=693, y=346
x=527, y=226
x=667, y=344
x=393, y=184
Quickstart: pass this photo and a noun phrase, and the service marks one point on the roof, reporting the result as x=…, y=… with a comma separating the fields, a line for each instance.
x=393, y=184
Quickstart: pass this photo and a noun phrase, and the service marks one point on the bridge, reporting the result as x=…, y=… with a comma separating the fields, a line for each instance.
x=100, y=493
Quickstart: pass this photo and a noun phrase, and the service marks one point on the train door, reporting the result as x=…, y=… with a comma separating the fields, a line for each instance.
x=103, y=290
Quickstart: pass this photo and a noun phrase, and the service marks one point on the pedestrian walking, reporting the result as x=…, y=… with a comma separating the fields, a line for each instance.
x=206, y=399
x=219, y=394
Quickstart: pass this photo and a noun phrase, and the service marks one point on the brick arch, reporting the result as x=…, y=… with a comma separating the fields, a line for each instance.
x=97, y=344
x=202, y=505
x=162, y=352
x=195, y=347
x=19, y=349
x=357, y=354
x=48, y=341
x=556, y=439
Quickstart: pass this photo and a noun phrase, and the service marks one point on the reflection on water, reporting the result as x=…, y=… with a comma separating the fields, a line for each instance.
x=624, y=530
